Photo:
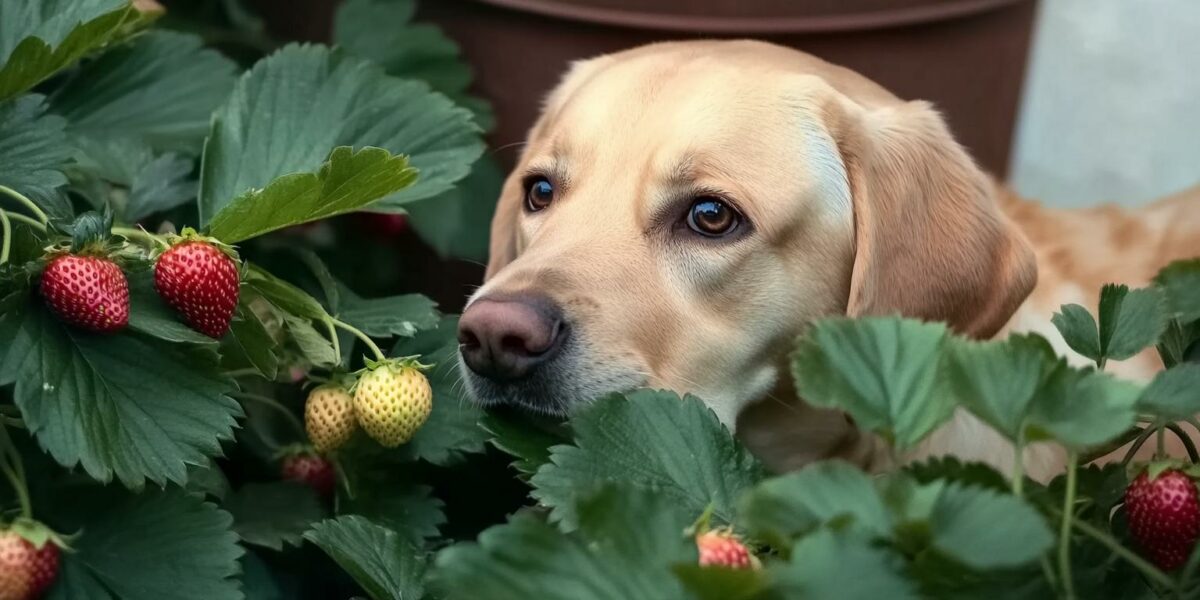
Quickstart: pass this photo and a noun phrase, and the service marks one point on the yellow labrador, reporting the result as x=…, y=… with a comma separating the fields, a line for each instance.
x=682, y=210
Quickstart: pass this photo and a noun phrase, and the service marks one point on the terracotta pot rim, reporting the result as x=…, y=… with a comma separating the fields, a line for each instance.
x=877, y=19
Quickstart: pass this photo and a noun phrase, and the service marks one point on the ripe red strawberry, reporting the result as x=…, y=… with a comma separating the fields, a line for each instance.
x=200, y=281
x=26, y=572
x=1164, y=517
x=87, y=291
x=311, y=470
x=723, y=549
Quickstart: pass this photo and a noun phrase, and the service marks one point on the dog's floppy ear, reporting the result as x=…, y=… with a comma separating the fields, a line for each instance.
x=931, y=241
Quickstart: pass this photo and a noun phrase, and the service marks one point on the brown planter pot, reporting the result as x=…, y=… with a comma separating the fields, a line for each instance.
x=967, y=56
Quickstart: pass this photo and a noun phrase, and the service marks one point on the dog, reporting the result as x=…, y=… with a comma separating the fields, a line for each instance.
x=683, y=210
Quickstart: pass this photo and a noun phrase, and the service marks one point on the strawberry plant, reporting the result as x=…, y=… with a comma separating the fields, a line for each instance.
x=212, y=385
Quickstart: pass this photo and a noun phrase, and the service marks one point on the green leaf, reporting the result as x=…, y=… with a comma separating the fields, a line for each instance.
x=1130, y=320
x=33, y=152
x=1174, y=395
x=314, y=346
x=402, y=315
x=148, y=313
x=1177, y=341
x=951, y=469
x=257, y=581
x=37, y=39
x=274, y=514
x=281, y=294
x=518, y=436
x=628, y=539
x=407, y=50
x=650, y=439
x=781, y=509
x=386, y=565
x=349, y=180
x=159, y=185
x=249, y=344
x=985, y=529
x=1180, y=283
x=840, y=564
x=289, y=111
x=125, y=405
x=884, y=371
x=160, y=89
x=207, y=480
x=155, y=545
x=1083, y=408
x=457, y=223
x=1079, y=330
x=999, y=380
x=389, y=497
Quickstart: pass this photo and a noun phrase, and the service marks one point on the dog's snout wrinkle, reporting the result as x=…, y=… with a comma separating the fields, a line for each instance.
x=504, y=338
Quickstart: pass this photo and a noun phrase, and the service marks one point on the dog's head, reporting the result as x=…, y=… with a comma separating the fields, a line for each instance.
x=681, y=211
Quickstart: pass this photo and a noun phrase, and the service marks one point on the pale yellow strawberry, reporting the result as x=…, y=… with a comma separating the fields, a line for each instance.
x=392, y=400
x=329, y=417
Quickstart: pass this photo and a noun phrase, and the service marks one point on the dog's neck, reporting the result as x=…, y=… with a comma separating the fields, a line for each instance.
x=786, y=433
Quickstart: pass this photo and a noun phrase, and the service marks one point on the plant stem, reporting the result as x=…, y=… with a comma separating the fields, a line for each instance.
x=1160, y=443
x=274, y=404
x=235, y=373
x=27, y=220
x=14, y=470
x=142, y=235
x=1187, y=441
x=1137, y=562
x=1137, y=445
x=1064, y=534
x=6, y=231
x=1100, y=362
x=333, y=338
x=379, y=355
x=19, y=197
x=1130, y=435
x=1018, y=471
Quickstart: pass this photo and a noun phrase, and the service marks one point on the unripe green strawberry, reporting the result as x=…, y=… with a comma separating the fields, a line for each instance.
x=89, y=292
x=197, y=277
x=329, y=417
x=392, y=399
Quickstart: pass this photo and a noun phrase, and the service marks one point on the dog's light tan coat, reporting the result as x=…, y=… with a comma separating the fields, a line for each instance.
x=858, y=203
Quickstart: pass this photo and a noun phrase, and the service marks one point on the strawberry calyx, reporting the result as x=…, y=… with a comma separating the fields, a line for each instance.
x=398, y=363
x=188, y=235
x=38, y=534
x=1155, y=468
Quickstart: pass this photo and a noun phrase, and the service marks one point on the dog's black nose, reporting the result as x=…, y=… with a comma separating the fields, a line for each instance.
x=505, y=338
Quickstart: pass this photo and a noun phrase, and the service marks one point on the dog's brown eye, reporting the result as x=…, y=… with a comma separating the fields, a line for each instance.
x=539, y=194
x=711, y=217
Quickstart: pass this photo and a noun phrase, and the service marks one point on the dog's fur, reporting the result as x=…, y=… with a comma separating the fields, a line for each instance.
x=857, y=203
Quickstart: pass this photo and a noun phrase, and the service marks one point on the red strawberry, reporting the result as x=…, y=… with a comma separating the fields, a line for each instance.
x=199, y=280
x=87, y=291
x=384, y=224
x=1164, y=517
x=26, y=572
x=723, y=549
x=311, y=470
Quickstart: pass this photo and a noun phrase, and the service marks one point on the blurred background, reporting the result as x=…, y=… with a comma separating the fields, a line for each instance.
x=1074, y=102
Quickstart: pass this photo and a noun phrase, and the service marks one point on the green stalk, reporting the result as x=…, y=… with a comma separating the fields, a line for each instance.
x=1100, y=362
x=1137, y=445
x=1187, y=441
x=19, y=197
x=274, y=404
x=6, y=231
x=14, y=470
x=1150, y=571
x=1064, y=534
x=27, y=220
x=333, y=338
x=141, y=235
x=1160, y=443
x=379, y=355
x=1018, y=472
